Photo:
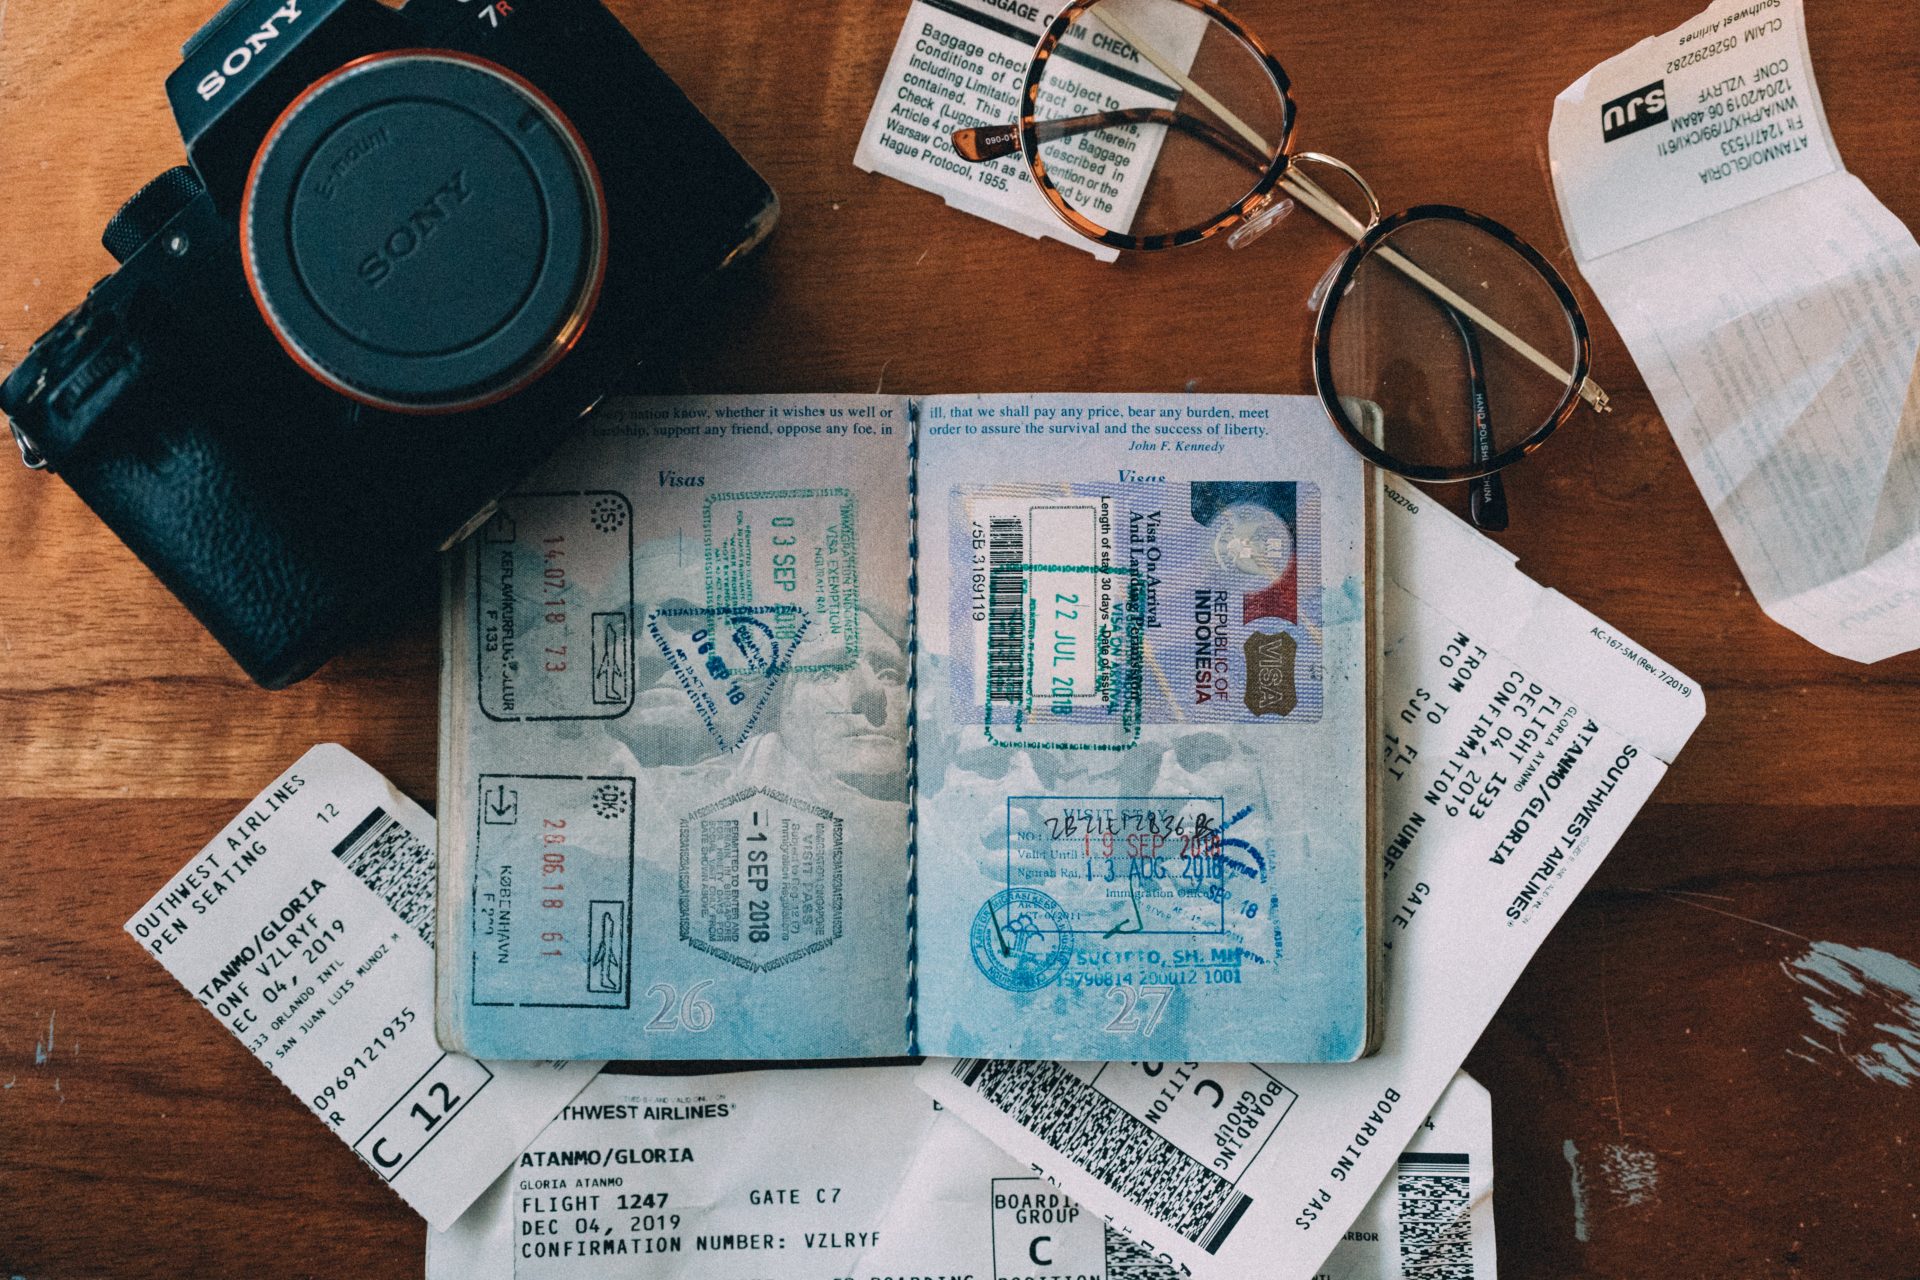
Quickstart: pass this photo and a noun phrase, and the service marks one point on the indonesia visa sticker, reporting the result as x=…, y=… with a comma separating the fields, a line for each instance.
x=307, y=928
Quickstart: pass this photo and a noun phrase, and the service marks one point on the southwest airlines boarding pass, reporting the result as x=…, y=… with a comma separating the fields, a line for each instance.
x=813, y=1174
x=306, y=927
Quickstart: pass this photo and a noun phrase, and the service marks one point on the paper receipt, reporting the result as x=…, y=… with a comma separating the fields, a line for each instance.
x=307, y=928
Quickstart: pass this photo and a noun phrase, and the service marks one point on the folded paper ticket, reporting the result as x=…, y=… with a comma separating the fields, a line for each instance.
x=1771, y=303
x=307, y=928
x=1521, y=734
x=799, y=1172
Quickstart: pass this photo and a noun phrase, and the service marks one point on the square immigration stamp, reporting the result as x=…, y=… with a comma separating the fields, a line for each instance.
x=554, y=607
x=791, y=549
x=553, y=891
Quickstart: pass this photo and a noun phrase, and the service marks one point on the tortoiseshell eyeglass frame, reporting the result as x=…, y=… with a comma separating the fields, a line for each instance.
x=1029, y=133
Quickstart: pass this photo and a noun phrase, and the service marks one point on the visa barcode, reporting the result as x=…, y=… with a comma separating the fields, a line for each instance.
x=1006, y=609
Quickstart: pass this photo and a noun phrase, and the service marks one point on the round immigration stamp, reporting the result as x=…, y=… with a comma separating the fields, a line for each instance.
x=1020, y=939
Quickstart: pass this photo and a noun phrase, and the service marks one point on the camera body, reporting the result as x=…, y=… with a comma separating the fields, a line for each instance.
x=413, y=247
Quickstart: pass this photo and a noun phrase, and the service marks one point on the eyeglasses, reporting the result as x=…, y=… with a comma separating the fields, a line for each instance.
x=1149, y=124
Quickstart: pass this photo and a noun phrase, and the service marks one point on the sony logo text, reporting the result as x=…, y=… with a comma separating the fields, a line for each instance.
x=242, y=55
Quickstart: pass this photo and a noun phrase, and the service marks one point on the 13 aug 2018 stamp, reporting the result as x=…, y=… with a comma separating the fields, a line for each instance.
x=554, y=607
x=793, y=547
x=553, y=891
x=761, y=879
x=1129, y=864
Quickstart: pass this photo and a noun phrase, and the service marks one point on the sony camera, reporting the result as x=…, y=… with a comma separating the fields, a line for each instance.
x=413, y=246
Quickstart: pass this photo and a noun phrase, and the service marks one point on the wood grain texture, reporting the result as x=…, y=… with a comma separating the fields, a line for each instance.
x=1658, y=1030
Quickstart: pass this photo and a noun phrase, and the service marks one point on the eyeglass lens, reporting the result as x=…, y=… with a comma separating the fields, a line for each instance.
x=1451, y=395
x=1126, y=146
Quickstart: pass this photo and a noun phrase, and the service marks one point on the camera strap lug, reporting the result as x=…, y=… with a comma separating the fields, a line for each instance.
x=30, y=453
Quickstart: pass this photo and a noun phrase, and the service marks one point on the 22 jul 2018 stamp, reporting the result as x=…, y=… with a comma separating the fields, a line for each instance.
x=1021, y=940
x=792, y=547
x=553, y=891
x=1065, y=672
x=761, y=879
x=553, y=600
x=728, y=661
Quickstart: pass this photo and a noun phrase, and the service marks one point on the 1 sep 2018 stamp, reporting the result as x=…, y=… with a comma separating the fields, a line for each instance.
x=553, y=600
x=796, y=548
x=728, y=661
x=761, y=879
x=552, y=909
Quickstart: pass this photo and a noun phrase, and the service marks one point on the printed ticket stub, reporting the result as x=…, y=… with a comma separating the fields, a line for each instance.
x=1772, y=305
x=1519, y=735
x=307, y=928
x=962, y=64
x=710, y=1177
x=1715, y=113
x=967, y=1208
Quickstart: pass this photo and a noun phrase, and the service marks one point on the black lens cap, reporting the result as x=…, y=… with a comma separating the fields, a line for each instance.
x=424, y=231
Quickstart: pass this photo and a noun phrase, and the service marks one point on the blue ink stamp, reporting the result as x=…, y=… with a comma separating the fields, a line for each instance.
x=1065, y=671
x=795, y=547
x=729, y=660
x=1021, y=940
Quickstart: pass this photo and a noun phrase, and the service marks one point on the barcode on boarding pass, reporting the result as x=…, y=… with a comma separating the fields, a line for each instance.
x=394, y=863
x=1436, y=1216
x=1112, y=1144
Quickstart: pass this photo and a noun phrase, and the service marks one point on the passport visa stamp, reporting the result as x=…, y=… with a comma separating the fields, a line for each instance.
x=761, y=879
x=729, y=660
x=794, y=549
x=553, y=892
x=553, y=607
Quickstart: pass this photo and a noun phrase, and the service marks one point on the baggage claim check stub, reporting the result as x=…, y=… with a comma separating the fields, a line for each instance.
x=1519, y=734
x=674, y=740
x=306, y=927
x=711, y=1177
x=960, y=64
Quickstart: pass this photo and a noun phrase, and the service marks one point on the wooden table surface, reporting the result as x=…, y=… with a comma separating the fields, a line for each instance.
x=1665, y=1100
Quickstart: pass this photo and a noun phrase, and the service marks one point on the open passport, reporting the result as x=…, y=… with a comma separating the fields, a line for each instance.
x=1027, y=726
